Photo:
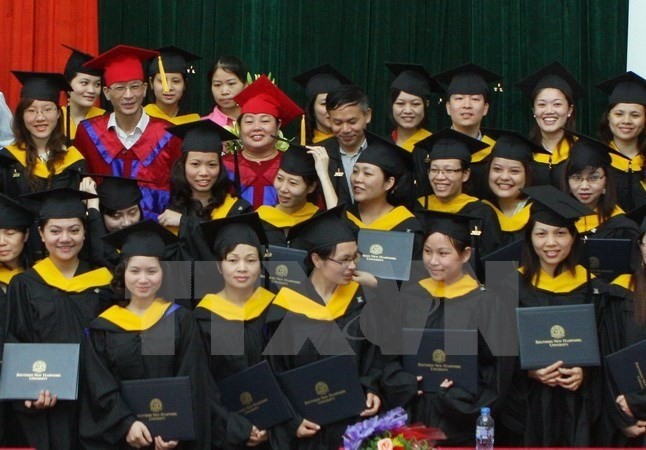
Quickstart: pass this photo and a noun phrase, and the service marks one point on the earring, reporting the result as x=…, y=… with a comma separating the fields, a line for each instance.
x=604, y=191
x=534, y=116
x=569, y=115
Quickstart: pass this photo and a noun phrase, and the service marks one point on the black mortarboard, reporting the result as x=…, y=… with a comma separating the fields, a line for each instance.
x=296, y=161
x=552, y=76
x=13, y=214
x=201, y=136
x=590, y=152
x=60, y=203
x=77, y=59
x=469, y=79
x=145, y=238
x=322, y=230
x=450, y=144
x=457, y=226
x=413, y=79
x=638, y=215
x=625, y=88
x=386, y=155
x=554, y=207
x=321, y=80
x=174, y=60
x=43, y=86
x=115, y=192
x=231, y=231
x=512, y=145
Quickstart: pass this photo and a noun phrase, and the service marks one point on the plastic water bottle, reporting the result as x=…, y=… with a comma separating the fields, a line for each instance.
x=484, y=430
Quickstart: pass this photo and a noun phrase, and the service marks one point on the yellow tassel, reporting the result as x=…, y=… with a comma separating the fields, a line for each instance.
x=303, y=135
x=162, y=74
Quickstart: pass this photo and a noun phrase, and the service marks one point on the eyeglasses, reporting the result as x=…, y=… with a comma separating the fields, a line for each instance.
x=592, y=179
x=446, y=172
x=346, y=262
x=135, y=88
x=48, y=111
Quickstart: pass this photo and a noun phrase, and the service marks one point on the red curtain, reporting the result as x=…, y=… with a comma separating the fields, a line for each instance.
x=32, y=34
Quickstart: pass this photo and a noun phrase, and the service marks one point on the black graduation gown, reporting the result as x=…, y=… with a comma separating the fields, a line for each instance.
x=276, y=223
x=549, y=168
x=512, y=228
x=336, y=171
x=117, y=340
x=627, y=175
x=478, y=184
x=350, y=300
x=223, y=326
x=463, y=305
x=45, y=307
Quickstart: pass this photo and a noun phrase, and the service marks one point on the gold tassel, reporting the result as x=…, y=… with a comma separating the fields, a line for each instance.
x=303, y=134
x=162, y=74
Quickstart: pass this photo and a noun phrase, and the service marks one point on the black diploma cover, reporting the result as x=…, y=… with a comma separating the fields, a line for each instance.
x=627, y=368
x=386, y=254
x=286, y=266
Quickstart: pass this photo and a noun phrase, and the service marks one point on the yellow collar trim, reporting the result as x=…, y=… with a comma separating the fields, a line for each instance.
x=461, y=287
x=634, y=164
x=335, y=308
x=454, y=206
x=386, y=222
x=482, y=154
x=253, y=307
x=563, y=283
x=591, y=222
x=624, y=280
x=93, y=112
x=155, y=111
x=320, y=136
x=7, y=274
x=510, y=224
x=129, y=321
x=561, y=153
x=281, y=219
x=53, y=277
x=409, y=144
x=40, y=170
x=223, y=210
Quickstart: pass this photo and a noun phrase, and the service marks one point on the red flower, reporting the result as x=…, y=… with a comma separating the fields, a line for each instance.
x=419, y=432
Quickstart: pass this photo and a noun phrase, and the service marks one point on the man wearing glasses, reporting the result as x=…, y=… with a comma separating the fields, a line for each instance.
x=128, y=142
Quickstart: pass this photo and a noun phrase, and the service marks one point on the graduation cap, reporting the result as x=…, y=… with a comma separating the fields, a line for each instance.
x=76, y=60
x=510, y=252
x=121, y=63
x=554, y=207
x=43, y=86
x=296, y=161
x=413, y=79
x=625, y=88
x=60, y=203
x=263, y=97
x=589, y=152
x=173, y=60
x=450, y=144
x=321, y=80
x=551, y=76
x=201, y=136
x=145, y=238
x=117, y=193
x=231, y=231
x=512, y=145
x=469, y=79
x=386, y=155
x=13, y=214
x=322, y=230
x=638, y=215
x=457, y=226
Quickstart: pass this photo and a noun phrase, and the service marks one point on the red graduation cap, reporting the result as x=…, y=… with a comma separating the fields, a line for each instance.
x=121, y=63
x=263, y=97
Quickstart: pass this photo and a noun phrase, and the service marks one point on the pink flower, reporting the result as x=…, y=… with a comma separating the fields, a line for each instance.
x=385, y=444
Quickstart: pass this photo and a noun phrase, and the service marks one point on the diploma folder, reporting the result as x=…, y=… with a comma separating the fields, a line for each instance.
x=548, y=334
x=441, y=354
x=28, y=369
x=628, y=368
x=325, y=391
x=164, y=405
x=255, y=394
x=286, y=266
x=386, y=254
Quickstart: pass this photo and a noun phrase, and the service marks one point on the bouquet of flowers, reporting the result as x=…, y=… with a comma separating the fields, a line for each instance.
x=389, y=431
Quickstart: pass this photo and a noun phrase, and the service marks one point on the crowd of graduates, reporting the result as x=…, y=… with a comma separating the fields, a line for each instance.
x=101, y=213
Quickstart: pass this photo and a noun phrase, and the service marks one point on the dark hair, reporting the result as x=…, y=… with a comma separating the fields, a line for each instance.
x=323, y=252
x=459, y=245
x=607, y=201
x=56, y=144
x=606, y=135
x=224, y=251
x=639, y=289
x=231, y=64
x=347, y=94
x=181, y=195
x=394, y=94
x=105, y=211
x=310, y=119
x=43, y=222
x=531, y=262
x=118, y=283
x=570, y=124
x=403, y=191
x=529, y=180
x=183, y=109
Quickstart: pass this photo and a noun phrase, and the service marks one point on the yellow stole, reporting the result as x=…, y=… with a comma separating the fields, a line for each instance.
x=510, y=224
x=281, y=219
x=53, y=277
x=253, y=307
x=625, y=281
x=40, y=170
x=154, y=111
x=454, y=206
x=482, y=154
x=93, y=112
x=562, y=283
x=7, y=274
x=461, y=287
x=419, y=135
x=335, y=308
x=591, y=222
x=386, y=222
x=320, y=136
x=635, y=164
x=561, y=153
x=130, y=321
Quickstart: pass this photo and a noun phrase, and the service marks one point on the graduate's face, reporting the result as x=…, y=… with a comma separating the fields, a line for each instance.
x=322, y=116
x=63, y=238
x=12, y=242
x=292, y=190
x=122, y=218
x=442, y=260
x=626, y=121
x=447, y=178
x=551, y=244
x=201, y=170
x=506, y=177
x=256, y=131
x=551, y=110
x=86, y=90
x=588, y=186
x=224, y=86
x=241, y=267
x=408, y=111
x=143, y=276
x=467, y=110
x=347, y=123
x=369, y=183
x=339, y=267
x=176, y=88
x=126, y=97
x=41, y=118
